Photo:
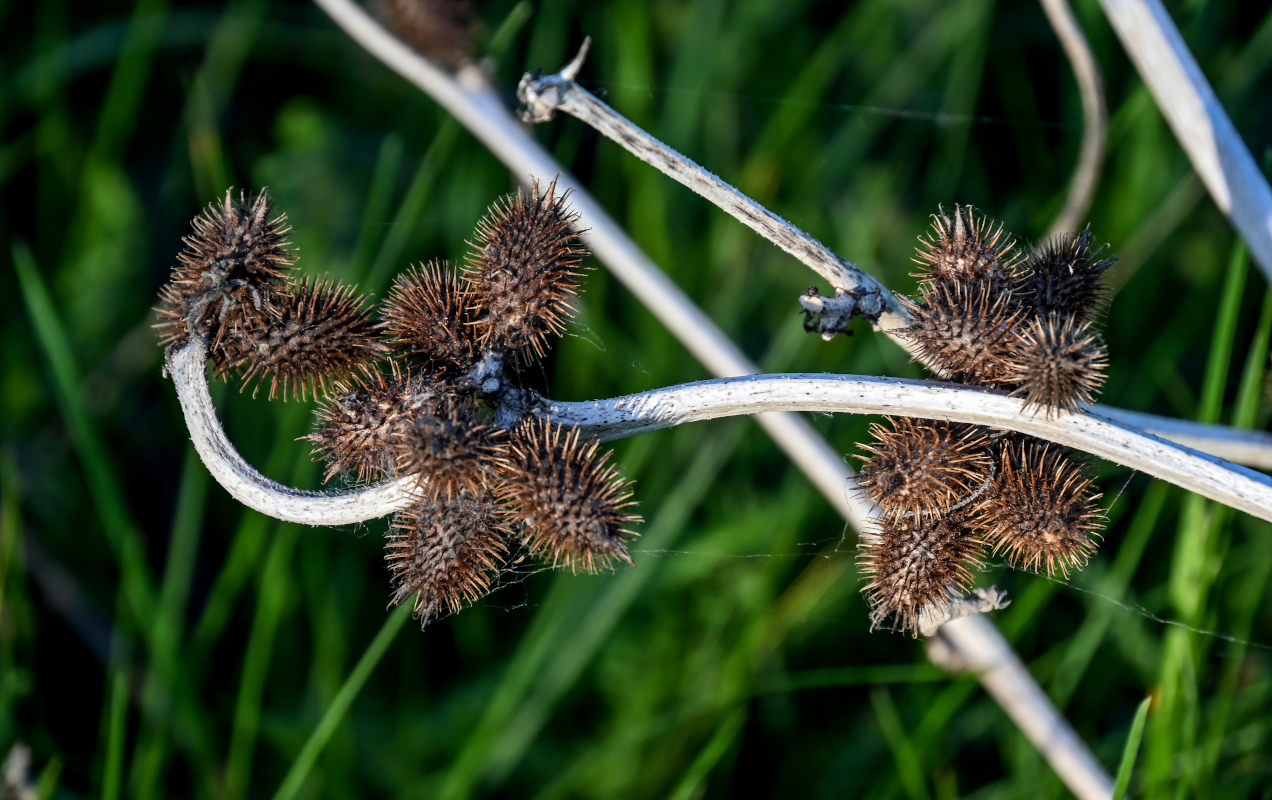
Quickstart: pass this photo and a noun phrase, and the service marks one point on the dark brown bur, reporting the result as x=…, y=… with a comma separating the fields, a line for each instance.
x=1056, y=363
x=526, y=271
x=361, y=421
x=447, y=553
x=968, y=249
x=1065, y=276
x=451, y=452
x=916, y=565
x=323, y=331
x=963, y=330
x=922, y=465
x=230, y=279
x=573, y=506
x=430, y=315
x=1043, y=515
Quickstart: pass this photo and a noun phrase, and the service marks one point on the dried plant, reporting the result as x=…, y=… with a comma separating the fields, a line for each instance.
x=916, y=565
x=855, y=294
x=439, y=415
x=1008, y=327
x=985, y=318
x=572, y=504
x=430, y=315
x=230, y=281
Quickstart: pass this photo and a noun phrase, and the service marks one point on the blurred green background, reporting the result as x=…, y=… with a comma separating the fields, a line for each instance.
x=157, y=640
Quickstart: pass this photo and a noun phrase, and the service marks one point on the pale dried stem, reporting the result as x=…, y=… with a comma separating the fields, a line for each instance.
x=188, y=367
x=1086, y=172
x=544, y=95
x=1240, y=488
x=1199, y=121
x=1091, y=432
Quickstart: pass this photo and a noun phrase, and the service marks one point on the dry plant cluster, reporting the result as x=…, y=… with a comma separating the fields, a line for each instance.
x=986, y=315
x=412, y=391
x=426, y=389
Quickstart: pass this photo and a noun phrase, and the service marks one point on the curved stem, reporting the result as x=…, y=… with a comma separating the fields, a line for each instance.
x=187, y=366
x=544, y=95
x=618, y=417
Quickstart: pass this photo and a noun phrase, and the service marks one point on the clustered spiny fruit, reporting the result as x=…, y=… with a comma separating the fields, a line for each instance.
x=949, y=493
x=414, y=392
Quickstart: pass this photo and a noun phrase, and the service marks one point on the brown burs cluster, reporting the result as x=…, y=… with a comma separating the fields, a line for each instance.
x=950, y=492
x=414, y=390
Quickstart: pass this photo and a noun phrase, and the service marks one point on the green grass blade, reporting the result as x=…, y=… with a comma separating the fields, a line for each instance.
x=116, y=735
x=339, y=707
x=274, y=592
x=162, y=677
x=909, y=767
x=1131, y=750
x=694, y=783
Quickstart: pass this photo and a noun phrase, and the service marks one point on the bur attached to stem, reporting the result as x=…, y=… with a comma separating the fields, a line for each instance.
x=985, y=317
x=525, y=271
x=230, y=280
x=1043, y=515
x=575, y=508
x=435, y=416
x=919, y=465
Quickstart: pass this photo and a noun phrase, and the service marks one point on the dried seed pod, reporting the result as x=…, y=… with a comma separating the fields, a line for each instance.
x=447, y=554
x=450, y=452
x=430, y=314
x=916, y=564
x=1043, y=515
x=324, y=330
x=1064, y=276
x=360, y=421
x=921, y=465
x=968, y=248
x=442, y=30
x=572, y=504
x=229, y=279
x=525, y=270
x=1056, y=363
x=962, y=330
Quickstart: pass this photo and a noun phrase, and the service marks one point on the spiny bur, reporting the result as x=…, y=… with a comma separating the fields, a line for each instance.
x=574, y=507
x=525, y=269
x=430, y=315
x=424, y=393
x=231, y=278
x=1064, y=276
x=962, y=330
x=444, y=554
x=1044, y=515
x=916, y=564
x=361, y=420
x=921, y=465
x=969, y=248
x=449, y=453
x=1056, y=363
x=323, y=330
